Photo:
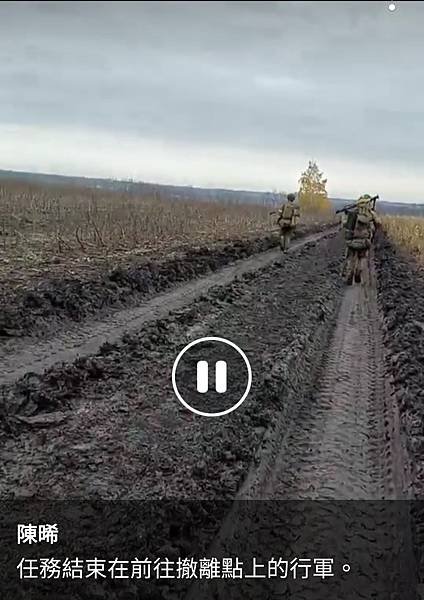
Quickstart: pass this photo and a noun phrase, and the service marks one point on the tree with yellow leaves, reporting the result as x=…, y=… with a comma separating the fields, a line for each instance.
x=313, y=197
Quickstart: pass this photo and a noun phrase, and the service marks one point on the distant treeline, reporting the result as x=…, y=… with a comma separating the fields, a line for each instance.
x=173, y=192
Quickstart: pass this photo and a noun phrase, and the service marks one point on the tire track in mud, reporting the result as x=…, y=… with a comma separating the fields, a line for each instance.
x=346, y=440
x=86, y=340
x=350, y=414
x=343, y=444
x=336, y=422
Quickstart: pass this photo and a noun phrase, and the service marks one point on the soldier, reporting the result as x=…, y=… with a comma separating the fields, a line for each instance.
x=360, y=225
x=289, y=215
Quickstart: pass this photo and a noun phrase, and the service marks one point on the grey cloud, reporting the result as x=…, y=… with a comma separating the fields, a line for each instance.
x=341, y=79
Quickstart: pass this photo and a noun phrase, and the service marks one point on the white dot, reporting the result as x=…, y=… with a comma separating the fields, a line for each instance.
x=392, y=6
x=346, y=568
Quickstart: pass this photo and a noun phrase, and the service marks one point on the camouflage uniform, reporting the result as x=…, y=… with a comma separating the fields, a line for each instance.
x=358, y=241
x=288, y=218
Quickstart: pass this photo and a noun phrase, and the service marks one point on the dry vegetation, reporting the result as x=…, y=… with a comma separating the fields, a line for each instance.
x=407, y=232
x=44, y=229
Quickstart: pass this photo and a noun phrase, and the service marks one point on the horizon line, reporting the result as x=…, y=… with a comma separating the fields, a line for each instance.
x=223, y=189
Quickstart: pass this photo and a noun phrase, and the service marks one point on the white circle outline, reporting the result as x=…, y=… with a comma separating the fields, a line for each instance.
x=249, y=376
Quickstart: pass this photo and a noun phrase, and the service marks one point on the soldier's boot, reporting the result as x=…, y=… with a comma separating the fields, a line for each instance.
x=288, y=239
x=358, y=270
x=366, y=268
x=350, y=268
x=283, y=242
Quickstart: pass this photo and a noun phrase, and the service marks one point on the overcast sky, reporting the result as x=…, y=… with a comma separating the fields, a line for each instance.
x=228, y=94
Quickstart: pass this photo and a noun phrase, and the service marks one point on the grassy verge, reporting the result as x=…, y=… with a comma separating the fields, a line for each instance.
x=406, y=233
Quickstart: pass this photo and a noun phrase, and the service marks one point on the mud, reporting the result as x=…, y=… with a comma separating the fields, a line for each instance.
x=320, y=422
x=71, y=343
x=401, y=296
x=342, y=443
x=42, y=309
x=350, y=414
x=127, y=436
x=123, y=434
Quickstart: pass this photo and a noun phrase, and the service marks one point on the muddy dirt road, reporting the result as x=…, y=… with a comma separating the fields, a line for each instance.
x=19, y=357
x=345, y=443
x=108, y=423
x=320, y=422
x=123, y=423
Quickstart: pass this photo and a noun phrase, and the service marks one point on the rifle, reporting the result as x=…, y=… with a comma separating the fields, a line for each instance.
x=345, y=208
x=350, y=206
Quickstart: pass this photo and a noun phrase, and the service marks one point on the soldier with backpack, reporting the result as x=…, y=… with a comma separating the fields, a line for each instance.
x=288, y=218
x=360, y=222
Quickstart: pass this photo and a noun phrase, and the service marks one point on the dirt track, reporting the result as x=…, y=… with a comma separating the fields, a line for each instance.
x=344, y=443
x=131, y=379
x=87, y=340
x=320, y=392
x=321, y=421
x=42, y=305
x=351, y=415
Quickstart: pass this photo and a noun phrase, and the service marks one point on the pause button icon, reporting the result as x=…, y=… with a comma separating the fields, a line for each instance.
x=211, y=376
x=203, y=376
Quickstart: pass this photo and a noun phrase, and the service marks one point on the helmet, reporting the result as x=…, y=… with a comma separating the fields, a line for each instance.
x=365, y=199
x=291, y=197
